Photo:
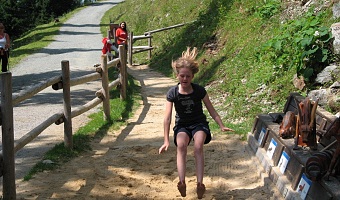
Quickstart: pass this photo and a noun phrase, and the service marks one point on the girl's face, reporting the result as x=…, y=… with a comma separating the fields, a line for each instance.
x=185, y=77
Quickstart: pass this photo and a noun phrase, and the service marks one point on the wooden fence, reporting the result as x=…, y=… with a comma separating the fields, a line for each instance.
x=10, y=146
x=131, y=39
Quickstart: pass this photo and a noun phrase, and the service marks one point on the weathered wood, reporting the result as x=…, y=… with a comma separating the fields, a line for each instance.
x=84, y=79
x=68, y=139
x=140, y=47
x=130, y=49
x=9, y=191
x=142, y=50
x=140, y=37
x=105, y=83
x=113, y=63
x=66, y=116
x=166, y=28
x=26, y=94
x=150, y=45
x=86, y=107
x=112, y=31
x=113, y=84
x=123, y=72
x=80, y=109
x=28, y=137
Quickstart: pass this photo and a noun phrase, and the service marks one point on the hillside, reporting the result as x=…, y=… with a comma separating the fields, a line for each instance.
x=229, y=35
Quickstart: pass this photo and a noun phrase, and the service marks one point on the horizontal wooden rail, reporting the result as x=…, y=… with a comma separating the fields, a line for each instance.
x=85, y=79
x=147, y=35
x=140, y=37
x=26, y=94
x=166, y=28
x=144, y=49
x=28, y=137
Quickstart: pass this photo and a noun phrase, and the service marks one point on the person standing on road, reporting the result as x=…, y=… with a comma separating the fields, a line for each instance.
x=191, y=122
x=4, y=48
x=122, y=34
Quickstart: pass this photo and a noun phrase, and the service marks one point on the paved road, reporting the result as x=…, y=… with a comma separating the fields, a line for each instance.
x=79, y=42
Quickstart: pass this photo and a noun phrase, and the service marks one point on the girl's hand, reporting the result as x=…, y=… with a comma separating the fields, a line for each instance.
x=226, y=129
x=164, y=147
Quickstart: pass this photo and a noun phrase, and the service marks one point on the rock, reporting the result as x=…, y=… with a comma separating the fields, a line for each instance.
x=327, y=74
x=321, y=94
x=336, y=34
x=299, y=83
x=336, y=10
x=335, y=87
x=47, y=162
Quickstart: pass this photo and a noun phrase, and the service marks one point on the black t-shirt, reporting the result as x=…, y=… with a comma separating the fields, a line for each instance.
x=188, y=107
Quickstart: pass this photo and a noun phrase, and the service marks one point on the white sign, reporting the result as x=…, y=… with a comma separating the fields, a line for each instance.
x=263, y=131
x=271, y=148
x=303, y=186
x=283, y=162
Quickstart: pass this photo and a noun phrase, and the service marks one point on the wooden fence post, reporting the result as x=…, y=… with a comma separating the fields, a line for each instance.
x=150, y=45
x=130, y=48
x=9, y=188
x=123, y=73
x=105, y=88
x=68, y=140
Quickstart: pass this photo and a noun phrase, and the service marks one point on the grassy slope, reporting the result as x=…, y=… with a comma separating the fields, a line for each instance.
x=230, y=68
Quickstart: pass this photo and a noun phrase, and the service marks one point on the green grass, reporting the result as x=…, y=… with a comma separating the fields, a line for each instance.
x=228, y=34
x=97, y=127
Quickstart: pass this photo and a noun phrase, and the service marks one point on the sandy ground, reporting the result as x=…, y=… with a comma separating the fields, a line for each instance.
x=125, y=164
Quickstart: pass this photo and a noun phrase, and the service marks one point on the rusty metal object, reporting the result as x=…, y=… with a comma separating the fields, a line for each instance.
x=333, y=130
x=318, y=164
x=288, y=125
x=306, y=124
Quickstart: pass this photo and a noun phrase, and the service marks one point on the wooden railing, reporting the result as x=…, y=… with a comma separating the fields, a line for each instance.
x=10, y=146
x=131, y=39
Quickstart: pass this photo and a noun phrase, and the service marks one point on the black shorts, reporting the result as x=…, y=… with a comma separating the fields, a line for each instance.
x=191, y=130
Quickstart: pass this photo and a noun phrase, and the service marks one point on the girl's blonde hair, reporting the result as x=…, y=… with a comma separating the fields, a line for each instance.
x=186, y=61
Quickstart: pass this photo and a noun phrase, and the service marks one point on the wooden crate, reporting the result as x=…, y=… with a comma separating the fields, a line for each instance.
x=265, y=131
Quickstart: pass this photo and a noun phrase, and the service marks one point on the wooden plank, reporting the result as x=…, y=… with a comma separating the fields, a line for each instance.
x=142, y=50
x=105, y=83
x=317, y=191
x=9, y=189
x=68, y=135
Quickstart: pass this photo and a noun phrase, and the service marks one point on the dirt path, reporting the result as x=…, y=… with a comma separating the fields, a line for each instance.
x=125, y=164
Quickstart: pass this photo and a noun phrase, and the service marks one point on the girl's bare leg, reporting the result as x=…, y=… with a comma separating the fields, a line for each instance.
x=182, y=146
x=199, y=139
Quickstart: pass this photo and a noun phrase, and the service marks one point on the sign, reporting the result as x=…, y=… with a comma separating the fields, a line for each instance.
x=303, y=186
x=283, y=162
x=271, y=148
x=262, y=133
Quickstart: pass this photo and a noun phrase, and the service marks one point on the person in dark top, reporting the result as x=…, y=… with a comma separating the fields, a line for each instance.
x=190, y=121
x=4, y=48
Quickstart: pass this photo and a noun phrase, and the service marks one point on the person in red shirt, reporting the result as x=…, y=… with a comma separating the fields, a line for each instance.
x=121, y=34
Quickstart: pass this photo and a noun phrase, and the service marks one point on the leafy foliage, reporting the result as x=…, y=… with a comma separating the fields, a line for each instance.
x=21, y=16
x=304, y=44
x=268, y=9
x=241, y=79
